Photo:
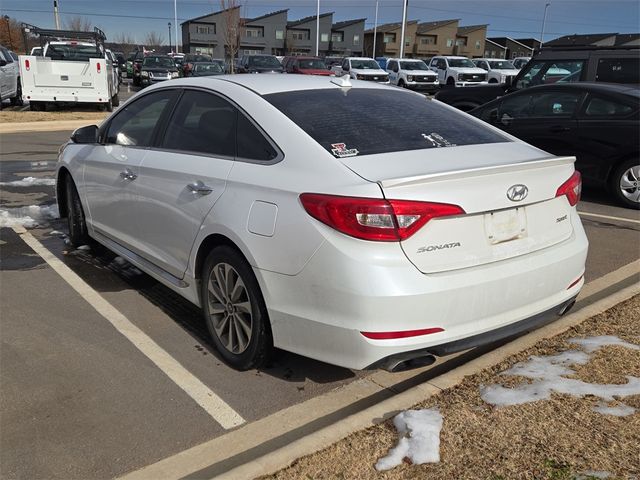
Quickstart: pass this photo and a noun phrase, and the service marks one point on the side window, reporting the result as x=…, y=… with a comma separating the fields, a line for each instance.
x=251, y=143
x=554, y=104
x=514, y=106
x=442, y=64
x=602, y=107
x=345, y=64
x=134, y=124
x=391, y=65
x=202, y=123
x=618, y=70
x=540, y=72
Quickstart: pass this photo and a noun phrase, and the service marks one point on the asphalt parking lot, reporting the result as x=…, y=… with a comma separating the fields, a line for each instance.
x=80, y=399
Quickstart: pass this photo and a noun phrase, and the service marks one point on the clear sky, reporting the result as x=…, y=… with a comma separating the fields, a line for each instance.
x=514, y=18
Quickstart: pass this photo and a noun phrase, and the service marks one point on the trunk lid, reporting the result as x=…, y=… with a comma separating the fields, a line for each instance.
x=476, y=178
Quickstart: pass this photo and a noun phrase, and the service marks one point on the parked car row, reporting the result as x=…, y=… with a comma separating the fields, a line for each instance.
x=10, y=87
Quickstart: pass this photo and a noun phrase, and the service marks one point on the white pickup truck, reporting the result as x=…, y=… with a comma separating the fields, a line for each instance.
x=457, y=71
x=361, y=68
x=412, y=73
x=73, y=68
x=497, y=70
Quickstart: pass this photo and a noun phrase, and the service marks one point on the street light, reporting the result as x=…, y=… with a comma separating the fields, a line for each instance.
x=170, y=48
x=6, y=18
x=544, y=20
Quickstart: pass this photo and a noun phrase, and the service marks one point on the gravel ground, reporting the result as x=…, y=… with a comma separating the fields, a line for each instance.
x=28, y=116
x=560, y=438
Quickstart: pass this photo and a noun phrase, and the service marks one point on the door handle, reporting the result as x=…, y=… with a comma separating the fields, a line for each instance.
x=128, y=175
x=559, y=128
x=199, y=188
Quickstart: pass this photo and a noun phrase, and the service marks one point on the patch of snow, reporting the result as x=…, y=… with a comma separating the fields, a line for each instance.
x=593, y=474
x=621, y=410
x=28, y=217
x=591, y=344
x=84, y=247
x=549, y=374
x=55, y=232
x=29, y=182
x=419, y=432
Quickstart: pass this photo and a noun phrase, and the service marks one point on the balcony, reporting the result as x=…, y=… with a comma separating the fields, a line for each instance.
x=253, y=42
x=203, y=37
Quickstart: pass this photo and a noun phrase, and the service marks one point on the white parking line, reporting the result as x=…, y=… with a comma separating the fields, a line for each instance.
x=608, y=217
x=222, y=413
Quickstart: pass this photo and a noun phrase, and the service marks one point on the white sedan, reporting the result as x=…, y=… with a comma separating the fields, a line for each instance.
x=299, y=217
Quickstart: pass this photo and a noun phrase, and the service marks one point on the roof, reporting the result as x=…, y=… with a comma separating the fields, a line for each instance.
x=266, y=84
x=428, y=26
x=266, y=15
x=582, y=40
x=293, y=23
x=470, y=28
x=346, y=23
x=496, y=44
x=209, y=15
x=499, y=39
x=390, y=27
x=623, y=38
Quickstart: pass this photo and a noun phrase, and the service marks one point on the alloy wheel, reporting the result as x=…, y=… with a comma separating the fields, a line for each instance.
x=230, y=308
x=630, y=183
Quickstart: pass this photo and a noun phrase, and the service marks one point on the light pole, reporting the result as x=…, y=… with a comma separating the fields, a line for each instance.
x=318, y=29
x=544, y=20
x=375, y=32
x=170, y=47
x=6, y=17
x=404, y=23
x=175, y=21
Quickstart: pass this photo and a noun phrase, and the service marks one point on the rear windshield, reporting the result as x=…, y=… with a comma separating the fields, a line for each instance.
x=73, y=52
x=311, y=64
x=265, y=61
x=365, y=121
x=618, y=70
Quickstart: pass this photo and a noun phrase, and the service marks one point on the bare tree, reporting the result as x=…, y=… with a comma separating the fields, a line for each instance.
x=233, y=28
x=11, y=34
x=78, y=24
x=153, y=40
x=124, y=41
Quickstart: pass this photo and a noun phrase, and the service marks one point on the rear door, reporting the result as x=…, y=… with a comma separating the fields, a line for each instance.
x=183, y=177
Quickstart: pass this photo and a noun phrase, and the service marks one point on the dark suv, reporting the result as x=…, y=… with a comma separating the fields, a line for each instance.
x=259, y=64
x=555, y=64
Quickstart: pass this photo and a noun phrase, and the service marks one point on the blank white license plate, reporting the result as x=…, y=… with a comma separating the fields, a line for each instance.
x=505, y=225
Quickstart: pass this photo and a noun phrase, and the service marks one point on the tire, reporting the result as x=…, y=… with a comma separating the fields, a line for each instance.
x=17, y=100
x=75, y=215
x=624, y=183
x=493, y=80
x=109, y=106
x=238, y=324
x=451, y=82
x=401, y=83
x=115, y=100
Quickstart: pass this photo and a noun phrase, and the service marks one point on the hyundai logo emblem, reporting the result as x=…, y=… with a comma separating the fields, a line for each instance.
x=518, y=192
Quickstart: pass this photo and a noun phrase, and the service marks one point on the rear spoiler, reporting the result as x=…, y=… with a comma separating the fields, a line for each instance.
x=474, y=172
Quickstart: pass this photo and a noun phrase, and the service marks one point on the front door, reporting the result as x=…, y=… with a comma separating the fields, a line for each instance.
x=111, y=169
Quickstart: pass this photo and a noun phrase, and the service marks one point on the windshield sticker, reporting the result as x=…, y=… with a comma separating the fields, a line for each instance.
x=340, y=150
x=437, y=140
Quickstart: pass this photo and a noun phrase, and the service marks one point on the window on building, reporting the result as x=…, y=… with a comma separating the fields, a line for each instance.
x=429, y=40
x=279, y=34
x=254, y=32
x=324, y=37
x=337, y=37
x=252, y=52
x=461, y=42
x=205, y=29
x=356, y=39
x=389, y=38
x=407, y=40
x=297, y=35
x=477, y=44
x=449, y=42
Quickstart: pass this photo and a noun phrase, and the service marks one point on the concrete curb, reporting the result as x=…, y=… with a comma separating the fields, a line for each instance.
x=327, y=436
x=48, y=126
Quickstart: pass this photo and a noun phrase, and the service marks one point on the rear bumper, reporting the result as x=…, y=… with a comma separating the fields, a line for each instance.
x=352, y=286
x=70, y=95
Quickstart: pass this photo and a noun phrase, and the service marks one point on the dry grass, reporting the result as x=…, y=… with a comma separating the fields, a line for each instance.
x=28, y=116
x=555, y=439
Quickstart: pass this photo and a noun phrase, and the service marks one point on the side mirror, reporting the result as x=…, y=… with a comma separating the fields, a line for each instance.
x=493, y=116
x=3, y=63
x=508, y=81
x=345, y=68
x=506, y=119
x=85, y=135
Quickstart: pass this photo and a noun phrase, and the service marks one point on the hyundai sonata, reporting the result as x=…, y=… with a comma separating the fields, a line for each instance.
x=299, y=213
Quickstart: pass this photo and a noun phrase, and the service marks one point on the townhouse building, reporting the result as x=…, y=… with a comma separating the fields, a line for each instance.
x=388, y=39
x=347, y=38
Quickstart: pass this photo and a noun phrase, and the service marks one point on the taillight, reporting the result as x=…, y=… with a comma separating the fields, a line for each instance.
x=27, y=65
x=372, y=218
x=401, y=333
x=98, y=67
x=572, y=188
